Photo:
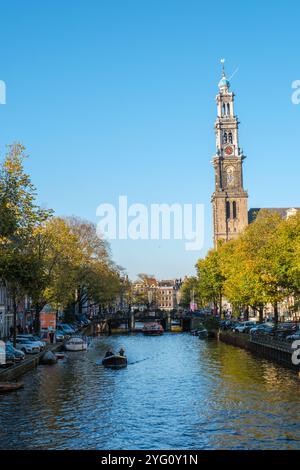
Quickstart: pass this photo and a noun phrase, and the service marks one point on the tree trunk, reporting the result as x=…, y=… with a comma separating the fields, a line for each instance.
x=37, y=325
x=80, y=303
x=14, y=321
x=261, y=314
x=275, y=306
x=220, y=300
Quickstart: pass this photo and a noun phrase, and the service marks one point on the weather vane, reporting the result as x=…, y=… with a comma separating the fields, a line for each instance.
x=223, y=67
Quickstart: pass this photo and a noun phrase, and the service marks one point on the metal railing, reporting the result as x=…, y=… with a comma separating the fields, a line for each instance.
x=271, y=342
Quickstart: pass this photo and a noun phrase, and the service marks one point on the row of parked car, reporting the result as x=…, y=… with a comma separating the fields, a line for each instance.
x=288, y=331
x=25, y=344
x=32, y=344
x=66, y=330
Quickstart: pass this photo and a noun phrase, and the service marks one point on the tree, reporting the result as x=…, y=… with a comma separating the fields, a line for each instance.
x=19, y=215
x=211, y=279
x=260, y=253
x=261, y=266
x=57, y=255
x=98, y=278
x=189, y=291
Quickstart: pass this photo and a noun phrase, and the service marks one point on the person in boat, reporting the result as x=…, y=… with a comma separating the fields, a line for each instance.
x=109, y=353
x=122, y=352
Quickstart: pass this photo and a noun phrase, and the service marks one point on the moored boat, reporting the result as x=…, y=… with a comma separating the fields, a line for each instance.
x=203, y=333
x=176, y=326
x=116, y=361
x=153, y=329
x=76, y=344
x=10, y=387
x=59, y=356
x=48, y=358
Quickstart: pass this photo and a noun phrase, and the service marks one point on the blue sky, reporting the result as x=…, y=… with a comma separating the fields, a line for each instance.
x=117, y=97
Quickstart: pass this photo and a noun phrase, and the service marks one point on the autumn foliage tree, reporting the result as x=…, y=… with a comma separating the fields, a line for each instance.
x=19, y=215
x=260, y=267
x=51, y=260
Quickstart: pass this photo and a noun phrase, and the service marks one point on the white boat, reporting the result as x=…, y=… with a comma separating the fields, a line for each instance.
x=76, y=344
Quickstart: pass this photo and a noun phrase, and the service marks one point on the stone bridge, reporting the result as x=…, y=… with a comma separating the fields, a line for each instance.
x=113, y=321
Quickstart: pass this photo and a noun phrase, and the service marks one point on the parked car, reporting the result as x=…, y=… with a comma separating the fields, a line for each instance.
x=16, y=353
x=65, y=327
x=75, y=327
x=285, y=329
x=228, y=324
x=9, y=356
x=262, y=328
x=244, y=327
x=33, y=339
x=27, y=346
x=59, y=336
x=287, y=326
x=283, y=334
x=293, y=337
x=84, y=321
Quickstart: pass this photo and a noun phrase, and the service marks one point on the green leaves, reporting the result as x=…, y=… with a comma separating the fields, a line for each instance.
x=18, y=211
x=211, y=278
x=259, y=267
x=48, y=258
x=189, y=291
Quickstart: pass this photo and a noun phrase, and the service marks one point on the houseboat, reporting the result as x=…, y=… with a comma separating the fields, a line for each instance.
x=76, y=344
x=153, y=329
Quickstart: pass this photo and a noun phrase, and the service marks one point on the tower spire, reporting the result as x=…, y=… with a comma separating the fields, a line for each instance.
x=223, y=68
x=230, y=200
x=224, y=84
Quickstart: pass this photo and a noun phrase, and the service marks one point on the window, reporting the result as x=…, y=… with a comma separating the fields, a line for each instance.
x=234, y=209
x=225, y=138
x=228, y=109
x=230, y=137
x=227, y=209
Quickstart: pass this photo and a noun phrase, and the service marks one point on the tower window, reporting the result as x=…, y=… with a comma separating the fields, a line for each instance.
x=230, y=137
x=224, y=109
x=225, y=138
x=227, y=210
x=234, y=209
x=228, y=109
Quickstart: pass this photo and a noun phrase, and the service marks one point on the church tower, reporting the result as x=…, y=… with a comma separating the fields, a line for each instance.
x=229, y=200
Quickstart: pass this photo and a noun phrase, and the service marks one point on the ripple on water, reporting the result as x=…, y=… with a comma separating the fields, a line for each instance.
x=177, y=392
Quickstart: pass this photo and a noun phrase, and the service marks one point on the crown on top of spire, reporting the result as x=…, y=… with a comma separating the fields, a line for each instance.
x=223, y=84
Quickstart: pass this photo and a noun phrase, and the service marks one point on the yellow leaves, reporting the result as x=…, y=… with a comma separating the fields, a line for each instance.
x=262, y=265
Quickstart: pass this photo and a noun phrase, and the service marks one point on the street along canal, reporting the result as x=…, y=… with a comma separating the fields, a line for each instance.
x=178, y=392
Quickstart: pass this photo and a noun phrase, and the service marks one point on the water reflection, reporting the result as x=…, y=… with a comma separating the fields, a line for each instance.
x=177, y=392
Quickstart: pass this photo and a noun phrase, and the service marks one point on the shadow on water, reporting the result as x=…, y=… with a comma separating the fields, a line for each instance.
x=176, y=393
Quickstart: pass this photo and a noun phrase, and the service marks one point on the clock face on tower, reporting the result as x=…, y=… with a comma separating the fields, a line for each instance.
x=229, y=150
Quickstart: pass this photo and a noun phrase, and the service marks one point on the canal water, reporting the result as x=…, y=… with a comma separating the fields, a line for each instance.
x=178, y=392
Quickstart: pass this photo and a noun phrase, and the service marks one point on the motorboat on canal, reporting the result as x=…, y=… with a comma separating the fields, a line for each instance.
x=115, y=361
x=10, y=386
x=76, y=343
x=153, y=329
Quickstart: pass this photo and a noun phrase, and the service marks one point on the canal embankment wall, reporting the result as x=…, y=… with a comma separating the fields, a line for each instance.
x=30, y=363
x=263, y=347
